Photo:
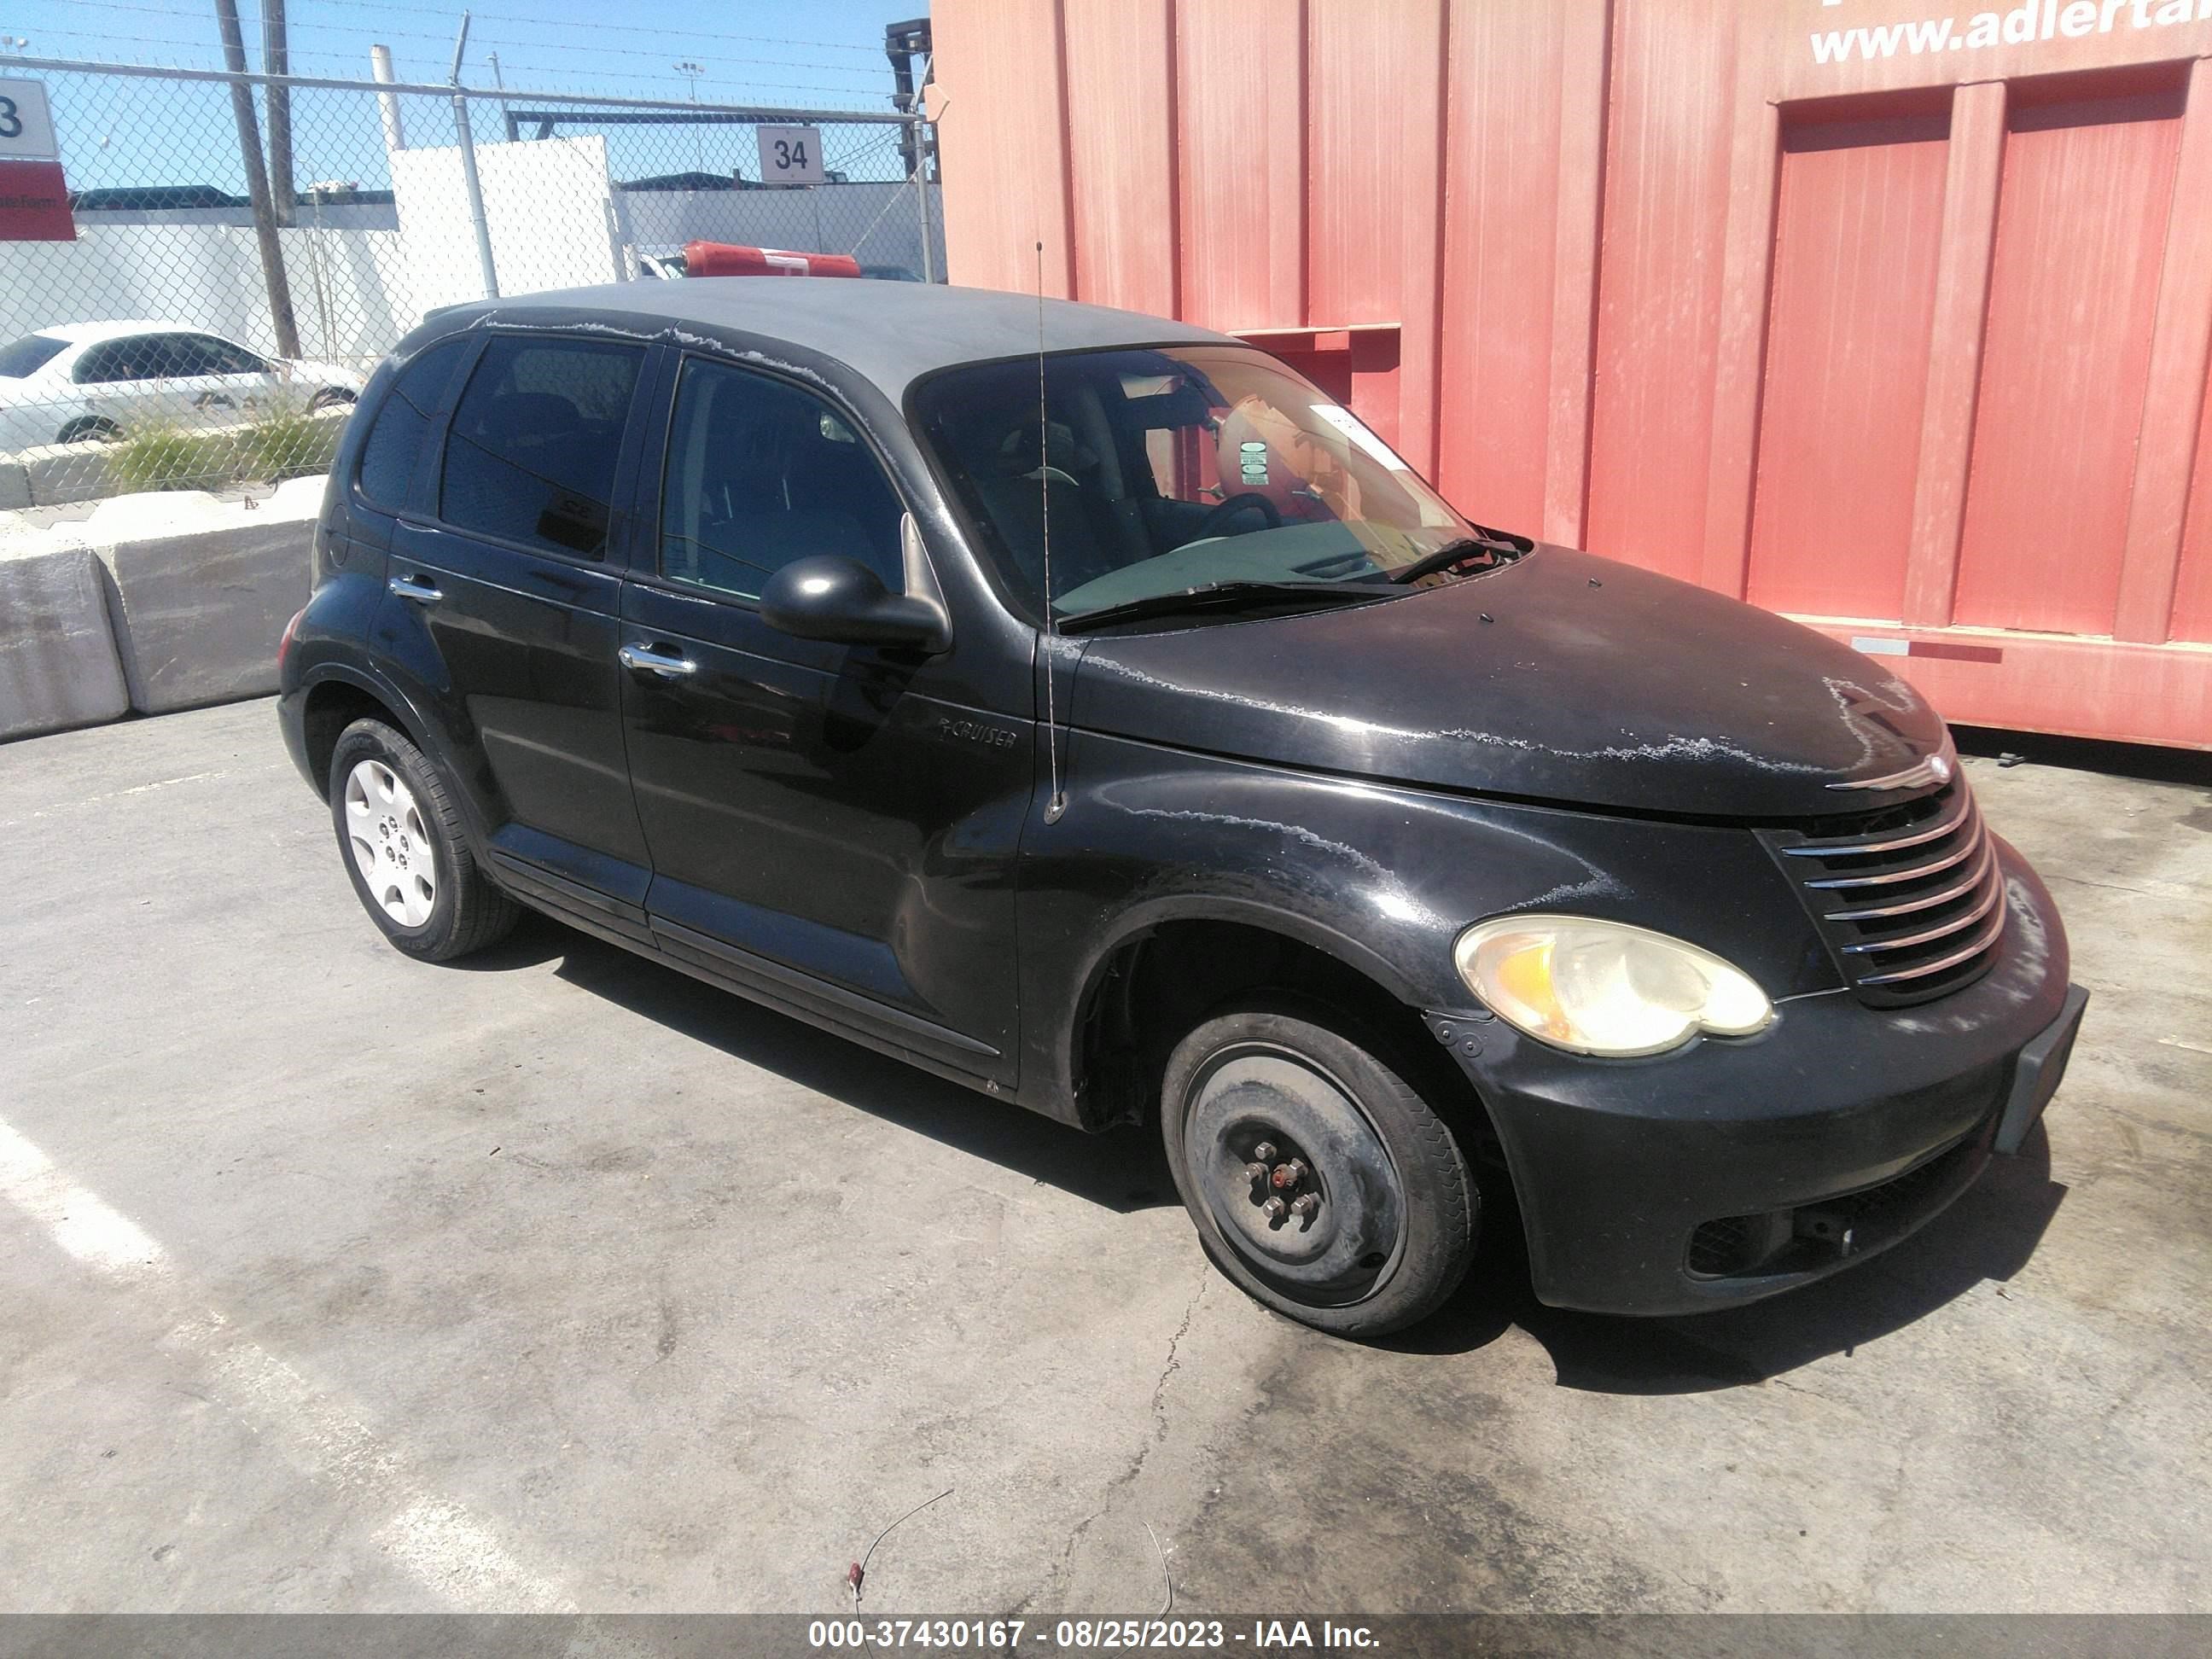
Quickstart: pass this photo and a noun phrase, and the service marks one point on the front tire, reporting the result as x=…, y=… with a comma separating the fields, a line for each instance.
x=400, y=836
x=1277, y=1099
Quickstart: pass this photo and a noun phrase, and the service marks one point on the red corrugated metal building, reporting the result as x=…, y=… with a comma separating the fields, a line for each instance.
x=1887, y=314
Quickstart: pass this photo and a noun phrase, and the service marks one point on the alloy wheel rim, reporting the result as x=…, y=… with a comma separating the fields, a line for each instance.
x=1294, y=1177
x=390, y=842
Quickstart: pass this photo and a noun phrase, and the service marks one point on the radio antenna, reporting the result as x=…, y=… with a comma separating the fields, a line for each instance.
x=1056, y=803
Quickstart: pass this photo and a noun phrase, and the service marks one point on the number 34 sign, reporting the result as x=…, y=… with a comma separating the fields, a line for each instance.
x=791, y=156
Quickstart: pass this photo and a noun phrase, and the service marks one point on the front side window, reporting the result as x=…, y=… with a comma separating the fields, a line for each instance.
x=1162, y=470
x=761, y=473
x=403, y=422
x=176, y=356
x=530, y=457
x=132, y=359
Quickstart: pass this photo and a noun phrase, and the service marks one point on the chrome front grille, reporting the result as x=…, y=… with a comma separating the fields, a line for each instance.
x=1910, y=897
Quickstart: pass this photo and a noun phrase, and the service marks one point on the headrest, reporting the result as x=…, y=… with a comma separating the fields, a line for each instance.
x=1018, y=450
x=529, y=414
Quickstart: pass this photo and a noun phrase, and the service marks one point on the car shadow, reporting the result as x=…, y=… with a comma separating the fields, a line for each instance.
x=1988, y=1235
x=1123, y=1170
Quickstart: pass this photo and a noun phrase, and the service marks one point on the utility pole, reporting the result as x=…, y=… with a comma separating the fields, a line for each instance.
x=902, y=44
x=257, y=182
x=691, y=72
x=395, y=131
x=277, y=59
x=471, y=182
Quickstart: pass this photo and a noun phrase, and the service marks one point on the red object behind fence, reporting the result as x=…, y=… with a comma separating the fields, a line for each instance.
x=733, y=260
x=35, y=205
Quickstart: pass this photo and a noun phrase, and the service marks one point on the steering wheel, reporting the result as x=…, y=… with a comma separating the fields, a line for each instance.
x=1249, y=501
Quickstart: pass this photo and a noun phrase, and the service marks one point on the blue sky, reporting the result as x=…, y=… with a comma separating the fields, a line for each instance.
x=823, y=54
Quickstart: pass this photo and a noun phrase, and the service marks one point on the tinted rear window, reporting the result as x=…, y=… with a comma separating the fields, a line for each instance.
x=530, y=455
x=395, y=442
x=27, y=356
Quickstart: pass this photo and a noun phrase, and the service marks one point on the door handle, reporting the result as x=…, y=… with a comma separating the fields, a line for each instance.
x=669, y=664
x=421, y=589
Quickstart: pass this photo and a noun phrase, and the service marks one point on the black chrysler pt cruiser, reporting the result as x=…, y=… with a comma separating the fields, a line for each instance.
x=1086, y=708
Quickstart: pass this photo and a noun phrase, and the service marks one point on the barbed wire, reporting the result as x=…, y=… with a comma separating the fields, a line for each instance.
x=452, y=14
x=677, y=85
x=381, y=33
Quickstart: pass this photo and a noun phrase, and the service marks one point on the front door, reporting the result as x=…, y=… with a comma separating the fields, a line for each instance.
x=505, y=565
x=823, y=822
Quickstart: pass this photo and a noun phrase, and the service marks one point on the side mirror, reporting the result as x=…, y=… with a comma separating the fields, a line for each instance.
x=841, y=600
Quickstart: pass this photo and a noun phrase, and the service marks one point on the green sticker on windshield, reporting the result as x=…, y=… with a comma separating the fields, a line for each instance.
x=1252, y=461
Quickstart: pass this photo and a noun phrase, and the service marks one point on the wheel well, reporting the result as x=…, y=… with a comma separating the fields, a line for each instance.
x=1158, y=985
x=85, y=424
x=331, y=708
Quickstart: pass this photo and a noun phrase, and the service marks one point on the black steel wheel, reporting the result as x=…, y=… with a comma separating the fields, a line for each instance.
x=1319, y=1179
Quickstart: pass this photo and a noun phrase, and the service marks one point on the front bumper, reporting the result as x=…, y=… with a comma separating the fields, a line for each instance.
x=1731, y=1170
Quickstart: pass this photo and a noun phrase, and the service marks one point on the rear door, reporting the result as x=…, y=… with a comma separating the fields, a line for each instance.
x=505, y=598
x=230, y=378
x=828, y=822
x=131, y=381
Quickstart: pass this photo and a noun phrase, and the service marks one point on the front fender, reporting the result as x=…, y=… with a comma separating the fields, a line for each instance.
x=1382, y=878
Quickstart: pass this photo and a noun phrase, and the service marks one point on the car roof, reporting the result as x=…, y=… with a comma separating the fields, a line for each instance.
x=91, y=333
x=891, y=333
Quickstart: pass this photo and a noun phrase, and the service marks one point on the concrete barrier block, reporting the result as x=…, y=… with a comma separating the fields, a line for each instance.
x=62, y=473
x=14, y=486
x=59, y=666
x=198, y=615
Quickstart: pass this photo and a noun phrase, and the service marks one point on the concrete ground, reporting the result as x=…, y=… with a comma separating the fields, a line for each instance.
x=331, y=1281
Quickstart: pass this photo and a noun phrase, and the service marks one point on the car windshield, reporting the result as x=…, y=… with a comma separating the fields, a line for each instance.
x=1163, y=469
x=20, y=359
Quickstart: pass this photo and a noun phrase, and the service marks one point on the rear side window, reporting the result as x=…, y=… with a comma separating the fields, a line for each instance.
x=214, y=356
x=132, y=359
x=403, y=422
x=530, y=457
x=761, y=473
x=20, y=359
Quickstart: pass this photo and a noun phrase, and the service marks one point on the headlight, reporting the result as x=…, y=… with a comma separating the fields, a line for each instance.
x=1603, y=987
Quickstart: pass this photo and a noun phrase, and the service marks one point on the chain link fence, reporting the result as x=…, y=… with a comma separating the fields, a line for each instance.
x=185, y=340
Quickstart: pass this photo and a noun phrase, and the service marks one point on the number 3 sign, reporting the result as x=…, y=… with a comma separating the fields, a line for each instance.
x=791, y=156
x=26, y=133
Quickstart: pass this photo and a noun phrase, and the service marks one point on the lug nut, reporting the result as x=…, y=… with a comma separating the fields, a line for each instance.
x=1255, y=1173
x=1289, y=1175
x=1265, y=1152
x=1274, y=1209
x=1306, y=1206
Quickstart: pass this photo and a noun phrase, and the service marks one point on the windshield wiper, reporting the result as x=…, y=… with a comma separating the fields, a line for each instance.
x=1212, y=596
x=1490, y=543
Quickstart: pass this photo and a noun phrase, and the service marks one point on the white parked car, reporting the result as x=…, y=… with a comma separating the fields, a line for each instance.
x=97, y=380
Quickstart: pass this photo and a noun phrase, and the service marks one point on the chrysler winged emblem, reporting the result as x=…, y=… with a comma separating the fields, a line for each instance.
x=1934, y=768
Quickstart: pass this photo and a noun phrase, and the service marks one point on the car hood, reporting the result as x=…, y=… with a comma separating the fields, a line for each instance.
x=1564, y=677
